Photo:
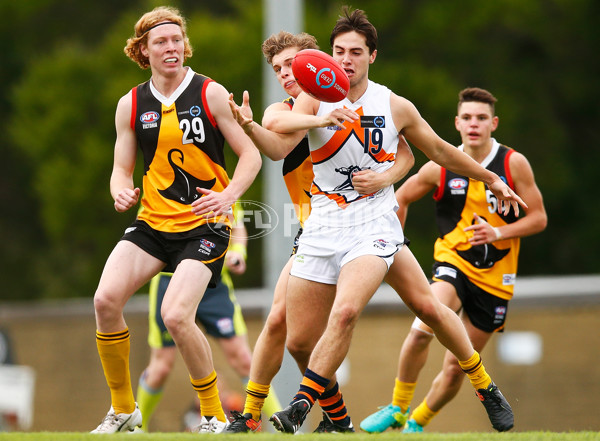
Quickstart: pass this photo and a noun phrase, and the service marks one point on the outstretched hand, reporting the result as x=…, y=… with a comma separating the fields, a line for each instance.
x=506, y=197
x=337, y=117
x=243, y=114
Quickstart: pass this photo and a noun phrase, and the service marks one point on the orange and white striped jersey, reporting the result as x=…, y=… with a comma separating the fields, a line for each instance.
x=371, y=142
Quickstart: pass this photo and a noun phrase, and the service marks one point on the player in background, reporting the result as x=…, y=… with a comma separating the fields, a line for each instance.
x=350, y=240
x=220, y=315
x=475, y=255
x=279, y=50
x=180, y=120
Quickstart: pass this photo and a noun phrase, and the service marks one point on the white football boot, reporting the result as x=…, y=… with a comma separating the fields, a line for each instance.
x=212, y=425
x=121, y=422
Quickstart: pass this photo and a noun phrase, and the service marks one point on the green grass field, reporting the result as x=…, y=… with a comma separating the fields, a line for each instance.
x=469, y=436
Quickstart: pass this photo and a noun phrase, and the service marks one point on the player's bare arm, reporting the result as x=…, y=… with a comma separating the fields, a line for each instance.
x=535, y=219
x=304, y=117
x=275, y=146
x=249, y=162
x=420, y=133
x=368, y=182
x=417, y=186
x=121, y=180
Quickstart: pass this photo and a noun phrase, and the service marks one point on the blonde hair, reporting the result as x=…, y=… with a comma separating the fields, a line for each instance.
x=283, y=40
x=148, y=21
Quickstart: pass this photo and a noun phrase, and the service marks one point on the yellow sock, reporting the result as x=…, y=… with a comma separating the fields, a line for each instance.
x=403, y=394
x=113, y=348
x=423, y=414
x=256, y=394
x=208, y=393
x=475, y=370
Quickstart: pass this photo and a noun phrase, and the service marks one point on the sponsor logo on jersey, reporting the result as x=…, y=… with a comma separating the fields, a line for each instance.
x=130, y=229
x=457, y=185
x=149, y=119
x=195, y=111
x=299, y=258
x=166, y=112
x=372, y=121
x=509, y=279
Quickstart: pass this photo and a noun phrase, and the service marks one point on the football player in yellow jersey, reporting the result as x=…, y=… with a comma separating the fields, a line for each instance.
x=279, y=50
x=475, y=256
x=180, y=120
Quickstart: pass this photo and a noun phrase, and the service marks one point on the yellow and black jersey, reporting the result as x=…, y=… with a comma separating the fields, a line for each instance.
x=492, y=267
x=298, y=175
x=182, y=149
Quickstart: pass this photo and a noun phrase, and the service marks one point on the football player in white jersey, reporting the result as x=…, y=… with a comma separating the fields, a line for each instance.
x=350, y=240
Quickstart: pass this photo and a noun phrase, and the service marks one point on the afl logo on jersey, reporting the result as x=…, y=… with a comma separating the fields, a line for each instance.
x=457, y=185
x=149, y=119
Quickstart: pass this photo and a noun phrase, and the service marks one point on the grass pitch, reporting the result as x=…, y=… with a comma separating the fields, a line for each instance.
x=388, y=436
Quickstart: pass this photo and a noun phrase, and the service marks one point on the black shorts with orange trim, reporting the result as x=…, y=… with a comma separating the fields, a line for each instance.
x=486, y=311
x=207, y=243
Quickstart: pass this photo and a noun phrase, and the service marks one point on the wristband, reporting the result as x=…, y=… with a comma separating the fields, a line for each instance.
x=239, y=248
x=498, y=233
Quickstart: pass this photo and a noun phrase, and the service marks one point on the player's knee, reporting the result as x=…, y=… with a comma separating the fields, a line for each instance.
x=106, y=304
x=345, y=316
x=275, y=323
x=419, y=339
x=174, y=321
x=429, y=313
x=299, y=350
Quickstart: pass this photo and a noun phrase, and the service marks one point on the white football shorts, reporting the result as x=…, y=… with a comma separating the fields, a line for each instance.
x=323, y=250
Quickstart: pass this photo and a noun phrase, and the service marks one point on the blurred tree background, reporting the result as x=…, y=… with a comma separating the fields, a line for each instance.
x=63, y=71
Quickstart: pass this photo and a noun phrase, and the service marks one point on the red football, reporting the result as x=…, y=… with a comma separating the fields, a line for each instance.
x=319, y=75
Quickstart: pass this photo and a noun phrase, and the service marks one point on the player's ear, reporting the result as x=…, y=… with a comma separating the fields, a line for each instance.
x=372, y=57
x=494, y=123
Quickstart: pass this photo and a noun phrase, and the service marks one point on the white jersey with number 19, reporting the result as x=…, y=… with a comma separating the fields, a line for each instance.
x=371, y=142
